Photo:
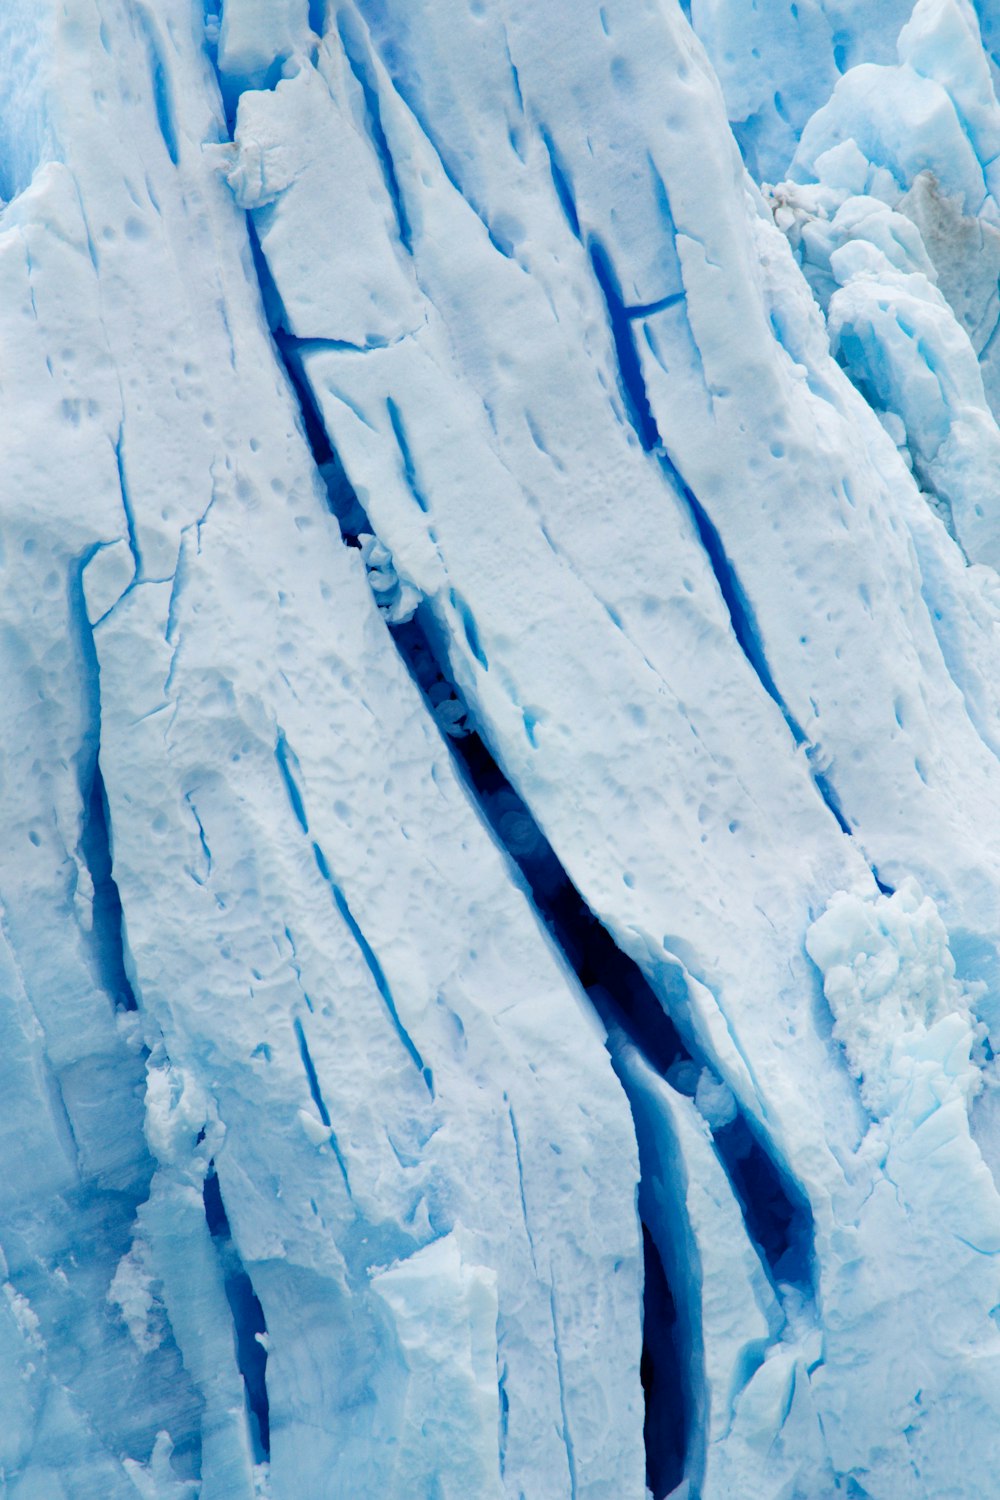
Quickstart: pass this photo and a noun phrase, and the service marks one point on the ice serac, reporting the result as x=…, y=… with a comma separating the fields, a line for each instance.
x=777, y=63
x=499, y=897
x=895, y=187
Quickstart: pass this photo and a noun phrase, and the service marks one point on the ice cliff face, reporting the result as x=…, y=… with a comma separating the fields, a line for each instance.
x=499, y=875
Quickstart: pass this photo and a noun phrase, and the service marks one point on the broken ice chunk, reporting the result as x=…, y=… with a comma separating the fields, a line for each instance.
x=714, y=1100
x=397, y=599
x=106, y=577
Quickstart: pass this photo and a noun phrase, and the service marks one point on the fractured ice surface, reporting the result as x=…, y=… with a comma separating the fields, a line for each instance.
x=499, y=888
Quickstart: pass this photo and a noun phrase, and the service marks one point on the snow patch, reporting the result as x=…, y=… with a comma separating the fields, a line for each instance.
x=134, y=1292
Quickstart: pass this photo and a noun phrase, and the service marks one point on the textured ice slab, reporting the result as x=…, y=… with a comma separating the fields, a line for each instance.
x=710, y=374
x=380, y=1119
x=322, y=1181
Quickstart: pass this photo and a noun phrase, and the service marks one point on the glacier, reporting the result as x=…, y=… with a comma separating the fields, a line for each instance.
x=499, y=918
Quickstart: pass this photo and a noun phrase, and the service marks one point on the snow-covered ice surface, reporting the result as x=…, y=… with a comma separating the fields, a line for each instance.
x=500, y=859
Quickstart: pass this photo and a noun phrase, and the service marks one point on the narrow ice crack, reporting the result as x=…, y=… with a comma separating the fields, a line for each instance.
x=406, y=454
x=296, y=967
x=289, y=770
x=287, y=763
x=311, y=343
x=106, y=939
x=376, y=972
x=159, y=78
x=668, y=1401
x=206, y=851
x=312, y=1077
x=647, y=309
x=60, y=1113
x=520, y=1185
x=562, y=183
x=631, y=385
x=127, y=501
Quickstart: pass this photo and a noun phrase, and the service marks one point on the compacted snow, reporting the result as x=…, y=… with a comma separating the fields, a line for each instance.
x=500, y=858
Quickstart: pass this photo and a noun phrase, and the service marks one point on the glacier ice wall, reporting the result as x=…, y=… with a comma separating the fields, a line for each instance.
x=499, y=895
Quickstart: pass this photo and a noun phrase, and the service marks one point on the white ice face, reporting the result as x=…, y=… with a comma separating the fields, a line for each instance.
x=499, y=789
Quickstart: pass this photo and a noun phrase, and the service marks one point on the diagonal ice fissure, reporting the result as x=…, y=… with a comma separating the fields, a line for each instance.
x=462, y=626
x=626, y=1000
x=621, y=317
x=776, y=1216
x=741, y=614
x=567, y=1435
x=356, y=55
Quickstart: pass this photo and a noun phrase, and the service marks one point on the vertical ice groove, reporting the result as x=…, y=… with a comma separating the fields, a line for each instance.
x=162, y=98
x=382, y=985
x=202, y=837
x=285, y=758
x=406, y=454
x=95, y=846
x=316, y=1092
x=310, y=1071
x=520, y=1183
x=566, y=1433
x=249, y=1325
x=355, y=52
x=127, y=500
x=631, y=384
x=562, y=182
